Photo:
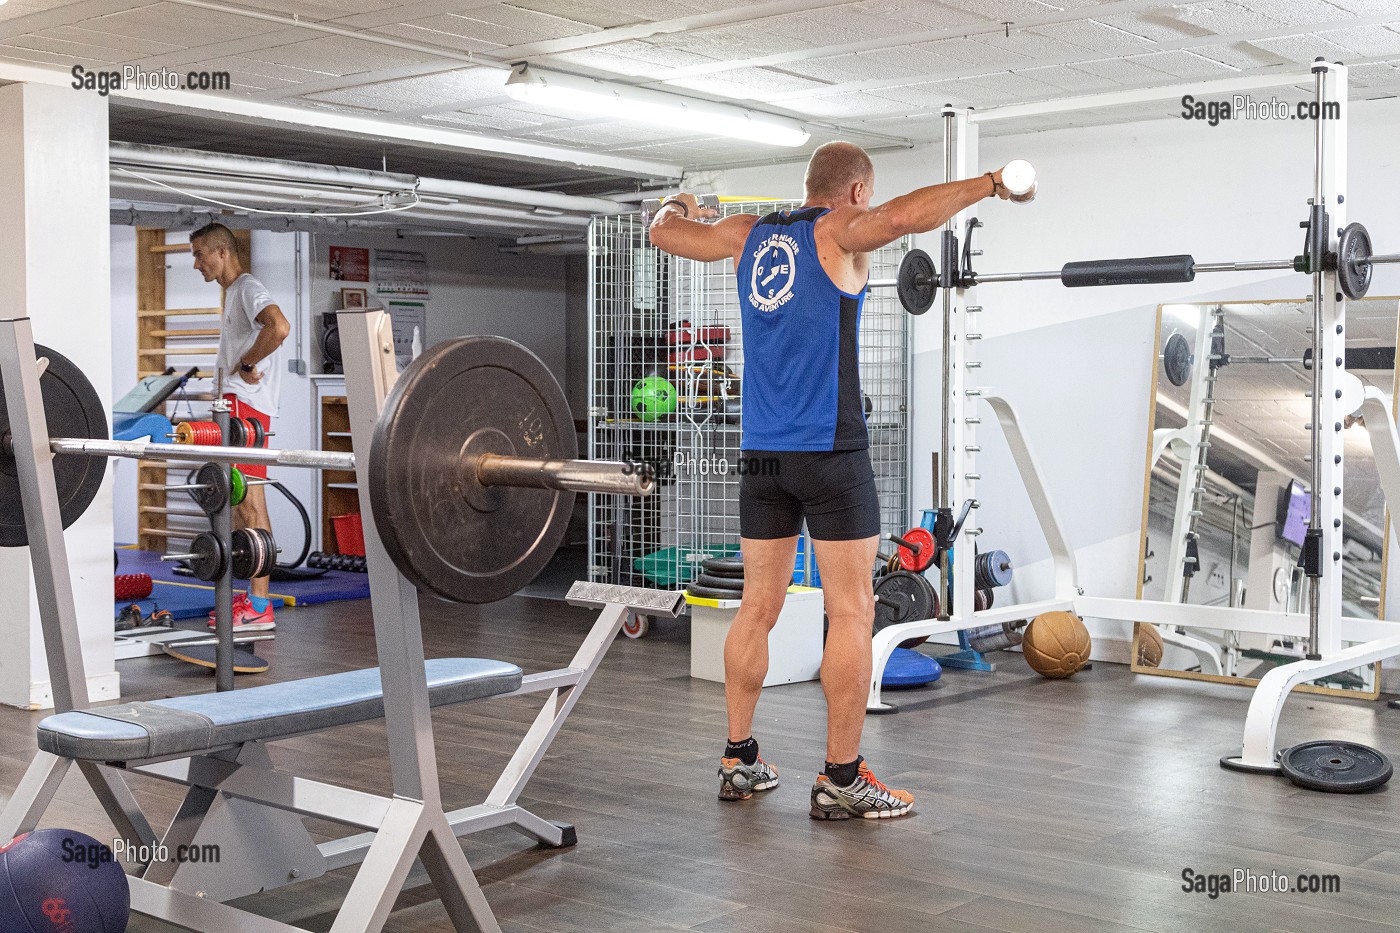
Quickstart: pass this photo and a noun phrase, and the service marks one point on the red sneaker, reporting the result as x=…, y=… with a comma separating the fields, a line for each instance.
x=245, y=619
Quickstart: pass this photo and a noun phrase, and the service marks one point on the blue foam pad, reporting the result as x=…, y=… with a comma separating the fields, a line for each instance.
x=907, y=668
x=133, y=427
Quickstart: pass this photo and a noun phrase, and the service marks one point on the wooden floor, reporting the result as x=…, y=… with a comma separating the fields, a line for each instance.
x=1042, y=806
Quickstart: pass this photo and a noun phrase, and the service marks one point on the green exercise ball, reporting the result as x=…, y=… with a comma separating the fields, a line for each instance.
x=653, y=398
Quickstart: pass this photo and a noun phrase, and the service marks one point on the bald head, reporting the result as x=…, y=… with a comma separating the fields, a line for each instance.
x=834, y=169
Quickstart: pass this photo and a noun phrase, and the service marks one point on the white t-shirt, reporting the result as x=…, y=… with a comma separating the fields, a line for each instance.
x=244, y=300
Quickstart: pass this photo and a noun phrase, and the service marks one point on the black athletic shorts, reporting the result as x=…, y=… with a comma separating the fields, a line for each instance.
x=833, y=489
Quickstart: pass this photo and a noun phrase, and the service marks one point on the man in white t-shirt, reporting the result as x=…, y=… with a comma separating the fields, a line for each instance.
x=251, y=371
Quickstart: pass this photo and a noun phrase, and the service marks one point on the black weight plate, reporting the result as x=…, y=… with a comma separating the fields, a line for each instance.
x=236, y=433
x=259, y=433
x=244, y=661
x=445, y=532
x=209, y=565
x=721, y=583
x=983, y=600
x=213, y=492
x=917, y=282
x=723, y=566
x=711, y=592
x=242, y=556
x=270, y=552
x=1353, y=271
x=902, y=596
x=1335, y=767
x=72, y=408
x=1176, y=359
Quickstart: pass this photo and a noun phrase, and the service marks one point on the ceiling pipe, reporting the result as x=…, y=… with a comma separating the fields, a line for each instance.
x=138, y=155
x=186, y=219
x=233, y=189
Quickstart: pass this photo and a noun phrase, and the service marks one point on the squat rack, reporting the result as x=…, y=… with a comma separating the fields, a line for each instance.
x=1338, y=259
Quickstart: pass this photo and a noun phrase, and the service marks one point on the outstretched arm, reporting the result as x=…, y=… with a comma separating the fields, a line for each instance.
x=860, y=230
x=679, y=233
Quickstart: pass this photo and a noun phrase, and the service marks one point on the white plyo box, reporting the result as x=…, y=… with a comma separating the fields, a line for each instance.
x=794, y=644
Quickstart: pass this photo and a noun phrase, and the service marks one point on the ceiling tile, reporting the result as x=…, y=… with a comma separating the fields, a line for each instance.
x=729, y=43
x=339, y=56
x=110, y=40
x=745, y=83
x=1367, y=40
x=860, y=104
x=1070, y=78
x=450, y=88
x=871, y=66
x=1302, y=49
x=925, y=13
x=81, y=52
x=1239, y=54
x=981, y=57
x=494, y=118
x=1182, y=64
x=631, y=59
x=1095, y=36
x=1224, y=17
x=1122, y=71
x=510, y=25
x=450, y=32
x=177, y=25
x=1297, y=12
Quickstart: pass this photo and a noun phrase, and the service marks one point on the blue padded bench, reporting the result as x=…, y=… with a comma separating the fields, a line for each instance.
x=194, y=724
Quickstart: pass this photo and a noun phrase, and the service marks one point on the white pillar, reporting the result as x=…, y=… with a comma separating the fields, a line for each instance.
x=55, y=269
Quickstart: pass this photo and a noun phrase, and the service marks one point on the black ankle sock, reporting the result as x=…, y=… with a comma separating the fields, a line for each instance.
x=843, y=775
x=746, y=751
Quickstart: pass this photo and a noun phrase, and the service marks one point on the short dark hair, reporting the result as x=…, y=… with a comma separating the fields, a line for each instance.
x=221, y=235
x=834, y=167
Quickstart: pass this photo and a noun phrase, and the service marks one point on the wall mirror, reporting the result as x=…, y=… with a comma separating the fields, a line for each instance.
x=1242, y=491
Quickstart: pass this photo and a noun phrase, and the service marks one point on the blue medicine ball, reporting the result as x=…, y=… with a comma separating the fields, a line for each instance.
x=58, y=879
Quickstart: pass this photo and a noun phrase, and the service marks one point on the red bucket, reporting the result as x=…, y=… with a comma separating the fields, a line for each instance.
x=349, y=533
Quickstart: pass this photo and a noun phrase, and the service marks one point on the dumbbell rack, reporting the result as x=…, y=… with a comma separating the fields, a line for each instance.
x=154, y=640
x=1324, y=628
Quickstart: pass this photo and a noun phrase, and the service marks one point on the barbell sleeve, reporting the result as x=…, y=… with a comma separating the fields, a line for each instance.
x=602, y=476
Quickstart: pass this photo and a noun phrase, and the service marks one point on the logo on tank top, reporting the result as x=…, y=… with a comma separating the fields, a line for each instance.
x=774, y=272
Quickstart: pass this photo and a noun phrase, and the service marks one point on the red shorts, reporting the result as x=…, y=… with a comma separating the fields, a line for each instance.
x=244, y=410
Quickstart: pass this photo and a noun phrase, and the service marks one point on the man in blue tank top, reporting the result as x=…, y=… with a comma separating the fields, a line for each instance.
x=802, y=277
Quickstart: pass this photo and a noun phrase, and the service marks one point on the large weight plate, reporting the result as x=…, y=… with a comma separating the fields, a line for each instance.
x=1335, y=767
x=904, y=597
x=446, y=533
x=72, y=409
x=917, y=281
x=1176, y=359
x=212, y=492
x=1353, y=269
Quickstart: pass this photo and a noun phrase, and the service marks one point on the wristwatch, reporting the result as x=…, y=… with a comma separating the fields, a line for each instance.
x=246, y=367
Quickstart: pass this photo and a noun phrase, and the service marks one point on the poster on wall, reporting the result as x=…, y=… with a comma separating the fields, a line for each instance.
x=349, y=264
x=410, y=323
x=400, y=272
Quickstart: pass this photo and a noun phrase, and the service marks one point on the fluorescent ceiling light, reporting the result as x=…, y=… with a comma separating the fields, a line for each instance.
x=591, y=96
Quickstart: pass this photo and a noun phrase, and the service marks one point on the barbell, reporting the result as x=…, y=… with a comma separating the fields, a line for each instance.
x=472, y=470
x=1353, y=262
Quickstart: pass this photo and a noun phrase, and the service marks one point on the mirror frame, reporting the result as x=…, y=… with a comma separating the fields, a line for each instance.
x=1137, y=668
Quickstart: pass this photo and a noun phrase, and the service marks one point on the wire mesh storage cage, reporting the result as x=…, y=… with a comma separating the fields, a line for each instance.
x=666, y=357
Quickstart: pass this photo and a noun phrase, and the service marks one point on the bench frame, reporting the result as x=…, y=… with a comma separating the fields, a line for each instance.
x=234, y=792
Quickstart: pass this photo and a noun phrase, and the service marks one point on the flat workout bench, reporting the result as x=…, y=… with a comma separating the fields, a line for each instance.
x=203, y=723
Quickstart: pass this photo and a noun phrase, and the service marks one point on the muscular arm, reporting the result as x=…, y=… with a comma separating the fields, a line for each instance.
x=275, y=329
x=858, y=230
x=674, y=233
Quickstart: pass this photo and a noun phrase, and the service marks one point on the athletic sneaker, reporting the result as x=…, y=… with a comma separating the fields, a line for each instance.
x=865, y=797
x=738, y=781
x=245, y=619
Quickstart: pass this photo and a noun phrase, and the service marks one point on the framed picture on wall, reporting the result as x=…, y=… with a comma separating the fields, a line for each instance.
x=353, y=298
